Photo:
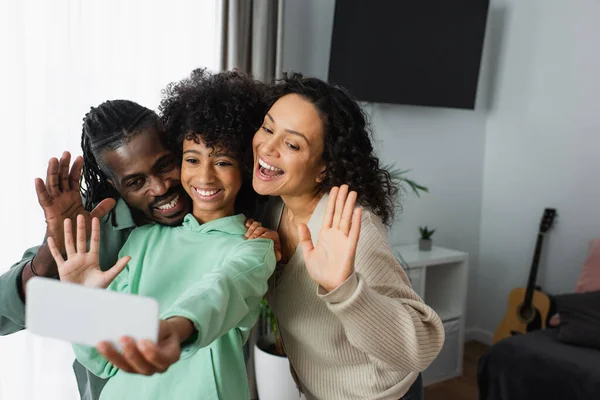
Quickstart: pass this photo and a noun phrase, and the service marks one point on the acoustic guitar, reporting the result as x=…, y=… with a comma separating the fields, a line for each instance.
x=528, y=308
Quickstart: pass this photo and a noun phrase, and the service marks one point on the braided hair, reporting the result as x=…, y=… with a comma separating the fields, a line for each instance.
x=107, y=127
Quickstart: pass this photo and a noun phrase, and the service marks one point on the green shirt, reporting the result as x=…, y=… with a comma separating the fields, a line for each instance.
x=213, y=276
x=12, y=308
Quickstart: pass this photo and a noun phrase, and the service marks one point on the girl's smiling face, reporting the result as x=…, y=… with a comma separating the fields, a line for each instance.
x=212, y=177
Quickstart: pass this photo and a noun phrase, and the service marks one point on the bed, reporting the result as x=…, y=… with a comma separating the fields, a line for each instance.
x=539, y=366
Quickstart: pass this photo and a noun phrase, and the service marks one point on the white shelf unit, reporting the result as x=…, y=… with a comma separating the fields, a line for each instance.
x=440, y=277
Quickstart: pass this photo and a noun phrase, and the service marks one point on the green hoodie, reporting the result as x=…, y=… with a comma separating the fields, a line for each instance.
x=213, y=276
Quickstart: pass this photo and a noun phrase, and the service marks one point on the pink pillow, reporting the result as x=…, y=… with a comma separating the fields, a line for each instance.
x=589, y=278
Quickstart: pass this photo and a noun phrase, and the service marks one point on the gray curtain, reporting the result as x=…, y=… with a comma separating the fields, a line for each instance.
x=252, y=37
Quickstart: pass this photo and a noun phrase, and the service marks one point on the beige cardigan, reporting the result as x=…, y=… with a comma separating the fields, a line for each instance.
x=367, y=339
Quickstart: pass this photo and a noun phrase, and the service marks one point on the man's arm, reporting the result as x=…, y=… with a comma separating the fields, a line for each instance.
x=12, y=306
x=60, y=198
x=13, y=284
x=43, y=265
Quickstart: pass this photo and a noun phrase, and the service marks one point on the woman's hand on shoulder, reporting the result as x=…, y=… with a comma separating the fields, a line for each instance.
x=331, y=261
x=255, y=231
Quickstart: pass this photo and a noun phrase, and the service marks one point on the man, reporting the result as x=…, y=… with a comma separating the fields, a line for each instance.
x=131, y=178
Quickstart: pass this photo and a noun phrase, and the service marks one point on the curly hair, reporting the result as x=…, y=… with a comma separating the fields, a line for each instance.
x=107, y=127
x=348, y=152
x=224, y=110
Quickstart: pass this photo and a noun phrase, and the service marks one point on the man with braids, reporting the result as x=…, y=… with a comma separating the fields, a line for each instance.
x=131, y=178
x=207, y=277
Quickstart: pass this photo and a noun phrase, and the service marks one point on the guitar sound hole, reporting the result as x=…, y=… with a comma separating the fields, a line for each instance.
x=526, y=313
x=531, y=316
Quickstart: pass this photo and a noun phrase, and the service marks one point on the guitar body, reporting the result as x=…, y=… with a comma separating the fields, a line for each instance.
x=518, y=320
x=528, y=308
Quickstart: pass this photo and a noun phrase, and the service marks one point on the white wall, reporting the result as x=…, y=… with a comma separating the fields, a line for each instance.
x=542, y=149
x=443, y=147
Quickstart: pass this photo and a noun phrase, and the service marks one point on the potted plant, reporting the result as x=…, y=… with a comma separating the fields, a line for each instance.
x=274, y=379
x=404, y=184
x=425, y=241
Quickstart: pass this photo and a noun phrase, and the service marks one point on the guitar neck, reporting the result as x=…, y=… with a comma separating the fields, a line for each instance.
x=534, y=270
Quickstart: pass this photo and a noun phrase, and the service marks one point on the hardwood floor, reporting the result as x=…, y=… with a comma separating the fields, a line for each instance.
x=465, y=386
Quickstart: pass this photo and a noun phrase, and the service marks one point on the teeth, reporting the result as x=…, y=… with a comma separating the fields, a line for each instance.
x=267, y=166
x=207, y=192
x=170, y=204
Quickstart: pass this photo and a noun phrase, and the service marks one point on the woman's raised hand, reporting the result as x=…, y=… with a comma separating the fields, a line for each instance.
x=331, y=261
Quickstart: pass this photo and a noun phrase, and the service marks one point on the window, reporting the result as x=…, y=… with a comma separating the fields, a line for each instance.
x=60, y=58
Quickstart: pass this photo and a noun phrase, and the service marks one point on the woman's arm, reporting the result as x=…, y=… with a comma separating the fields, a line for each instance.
x=381, y=314
x=365, y=286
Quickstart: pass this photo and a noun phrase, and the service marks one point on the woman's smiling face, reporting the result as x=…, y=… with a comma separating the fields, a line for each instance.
x=288, y=149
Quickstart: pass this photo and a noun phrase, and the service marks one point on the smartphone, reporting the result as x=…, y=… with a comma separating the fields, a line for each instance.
x=87, y=316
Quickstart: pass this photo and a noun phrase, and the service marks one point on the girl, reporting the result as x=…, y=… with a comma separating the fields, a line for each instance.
x=207, y=277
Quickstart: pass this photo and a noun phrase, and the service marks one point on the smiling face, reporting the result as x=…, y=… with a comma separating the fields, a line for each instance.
x=212, y=178
x=288, y=149
x=147, y=177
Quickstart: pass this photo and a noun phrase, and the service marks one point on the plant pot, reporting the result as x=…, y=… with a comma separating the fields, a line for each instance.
x=425, y=244
x=273, y=376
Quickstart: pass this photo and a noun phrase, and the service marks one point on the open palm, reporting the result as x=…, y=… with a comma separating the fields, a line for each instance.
x=60, y=197
x=331, y=261
x=82, y=266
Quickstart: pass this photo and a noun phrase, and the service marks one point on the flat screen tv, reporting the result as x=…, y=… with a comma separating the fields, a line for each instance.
x=419, y=52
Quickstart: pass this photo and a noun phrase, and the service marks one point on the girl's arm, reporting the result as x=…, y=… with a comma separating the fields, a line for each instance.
x=90, y=357
x=228, y=298
x=83, y=267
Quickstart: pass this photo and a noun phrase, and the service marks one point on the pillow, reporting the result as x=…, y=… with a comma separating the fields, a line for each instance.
x=589, y=277
x=579, y=319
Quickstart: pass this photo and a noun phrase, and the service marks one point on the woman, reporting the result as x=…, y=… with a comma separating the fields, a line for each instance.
x=351, y=325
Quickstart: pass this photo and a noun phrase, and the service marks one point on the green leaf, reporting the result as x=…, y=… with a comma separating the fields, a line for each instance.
x=398, y=176
x=425, y=232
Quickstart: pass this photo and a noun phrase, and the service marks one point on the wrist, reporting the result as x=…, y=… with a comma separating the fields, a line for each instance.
x=331, y=286
x=342, y=292
x=183, y=328
x=43, y=263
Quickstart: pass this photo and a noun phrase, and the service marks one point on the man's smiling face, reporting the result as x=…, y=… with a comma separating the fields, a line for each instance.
x=148, y=177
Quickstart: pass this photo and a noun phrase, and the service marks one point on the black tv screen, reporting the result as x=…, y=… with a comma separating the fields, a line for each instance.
x=420, y=52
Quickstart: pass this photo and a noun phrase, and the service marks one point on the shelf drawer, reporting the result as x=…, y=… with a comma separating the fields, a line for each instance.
x=447, y=363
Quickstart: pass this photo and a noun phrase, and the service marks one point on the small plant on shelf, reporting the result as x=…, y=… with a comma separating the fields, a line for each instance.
x=425, y=241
